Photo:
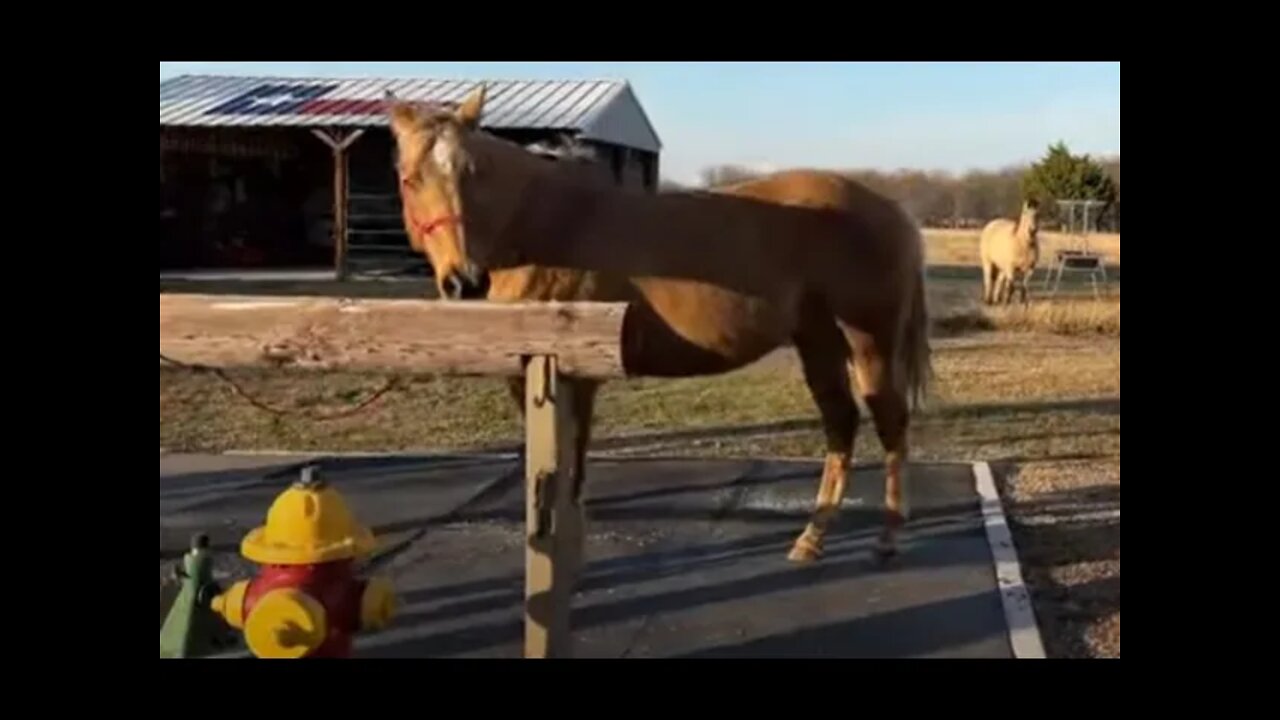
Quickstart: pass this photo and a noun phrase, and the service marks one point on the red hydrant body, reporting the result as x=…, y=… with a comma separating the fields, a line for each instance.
x=333, y=585
x=306, y=600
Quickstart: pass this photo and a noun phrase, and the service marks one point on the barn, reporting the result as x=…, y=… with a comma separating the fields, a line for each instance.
x=263, y=173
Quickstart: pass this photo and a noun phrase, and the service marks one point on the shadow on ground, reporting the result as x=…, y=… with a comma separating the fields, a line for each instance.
x=690, y=587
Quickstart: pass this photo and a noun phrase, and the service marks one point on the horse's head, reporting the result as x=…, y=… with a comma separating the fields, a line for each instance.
x=432, y=162
x=462, y=189
x=1030, y=219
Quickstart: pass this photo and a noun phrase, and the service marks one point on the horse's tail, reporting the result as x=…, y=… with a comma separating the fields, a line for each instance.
x=915, y=353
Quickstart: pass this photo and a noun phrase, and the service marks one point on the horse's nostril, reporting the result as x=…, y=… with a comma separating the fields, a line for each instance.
x=479, y=288
x=460, y=286
x=452, y=286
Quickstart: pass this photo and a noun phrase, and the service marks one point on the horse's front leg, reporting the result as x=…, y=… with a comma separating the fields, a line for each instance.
x=1024, y=291
x=1004, y=289
x=583, y=408
x=516, y=387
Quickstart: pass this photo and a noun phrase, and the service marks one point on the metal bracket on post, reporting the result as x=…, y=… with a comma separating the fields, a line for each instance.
x=544, y=492
x=553, y=520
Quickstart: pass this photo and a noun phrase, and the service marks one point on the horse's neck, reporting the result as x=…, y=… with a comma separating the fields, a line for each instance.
x=541, y=275
x=568, y=221
x=1022, y=229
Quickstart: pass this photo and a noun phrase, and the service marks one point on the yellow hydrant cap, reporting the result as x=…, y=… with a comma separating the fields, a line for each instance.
x=308, y=523
x=286, y=624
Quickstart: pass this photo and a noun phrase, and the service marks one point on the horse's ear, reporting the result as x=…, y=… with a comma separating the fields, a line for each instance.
x=468, y=114
x=403, y=116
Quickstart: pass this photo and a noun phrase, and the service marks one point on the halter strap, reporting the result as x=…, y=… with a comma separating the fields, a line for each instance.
x=423, y=228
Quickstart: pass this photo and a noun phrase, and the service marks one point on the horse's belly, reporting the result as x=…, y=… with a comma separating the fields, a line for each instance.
x=683, y=328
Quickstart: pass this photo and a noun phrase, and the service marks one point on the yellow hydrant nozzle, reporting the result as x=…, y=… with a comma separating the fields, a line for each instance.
x=285, y=623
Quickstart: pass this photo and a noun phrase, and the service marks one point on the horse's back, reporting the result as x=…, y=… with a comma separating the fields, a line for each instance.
x=817, y=189
x=876, y=222
x=995, y=236
x=868, y=270
x=998, y=227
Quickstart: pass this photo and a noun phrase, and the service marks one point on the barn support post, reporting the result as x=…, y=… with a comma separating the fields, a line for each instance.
x=553, y=512
x=339, y=145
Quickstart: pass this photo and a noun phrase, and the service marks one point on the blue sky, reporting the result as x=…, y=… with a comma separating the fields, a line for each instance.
x=926, y=115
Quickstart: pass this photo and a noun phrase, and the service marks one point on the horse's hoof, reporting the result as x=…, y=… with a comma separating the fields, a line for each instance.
x=804, y=552
x=886, y=551
x=803, y=556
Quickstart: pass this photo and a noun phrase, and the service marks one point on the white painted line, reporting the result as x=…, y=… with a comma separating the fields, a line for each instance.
x=1019, y=615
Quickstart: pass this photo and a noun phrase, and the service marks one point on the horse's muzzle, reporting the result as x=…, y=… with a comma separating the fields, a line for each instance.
x=467, y=282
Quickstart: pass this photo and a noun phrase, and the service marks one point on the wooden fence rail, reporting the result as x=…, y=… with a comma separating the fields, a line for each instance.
x=459, y=338
x=556, y=340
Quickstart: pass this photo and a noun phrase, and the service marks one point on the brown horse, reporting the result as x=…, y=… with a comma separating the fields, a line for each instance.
x=714, y=280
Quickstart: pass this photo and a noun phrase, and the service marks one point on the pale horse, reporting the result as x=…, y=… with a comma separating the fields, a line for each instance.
x=1009, y=251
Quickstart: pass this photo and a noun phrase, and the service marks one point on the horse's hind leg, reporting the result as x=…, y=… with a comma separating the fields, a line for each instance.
x=887, y=400
x=824, y=355
x=988, y=281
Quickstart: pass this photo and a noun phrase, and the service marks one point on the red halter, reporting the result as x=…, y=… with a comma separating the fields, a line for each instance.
x=426, y=228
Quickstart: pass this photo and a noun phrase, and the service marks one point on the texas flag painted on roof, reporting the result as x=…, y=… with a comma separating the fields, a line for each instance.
x=600, y=110
x=294, y=99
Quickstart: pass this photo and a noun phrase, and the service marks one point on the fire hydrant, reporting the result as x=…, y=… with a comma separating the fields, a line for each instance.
x=306, y=599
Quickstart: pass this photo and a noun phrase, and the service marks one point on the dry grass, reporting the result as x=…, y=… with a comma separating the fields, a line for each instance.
x=987, y=385
x=960, y=247
x=1036, y=392
x=956, y=306
x=1100, y=318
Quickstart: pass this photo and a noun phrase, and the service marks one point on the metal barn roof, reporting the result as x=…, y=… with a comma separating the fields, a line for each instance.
x=603, y=110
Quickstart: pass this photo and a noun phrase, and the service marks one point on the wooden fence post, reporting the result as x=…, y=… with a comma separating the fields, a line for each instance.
x=553, y=518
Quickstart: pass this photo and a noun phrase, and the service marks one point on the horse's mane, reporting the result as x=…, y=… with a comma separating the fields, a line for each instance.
x=1030, y=205
x=568, y=162
x=568, y=149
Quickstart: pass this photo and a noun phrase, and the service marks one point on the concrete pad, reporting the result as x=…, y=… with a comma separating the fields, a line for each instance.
x=687, y=558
